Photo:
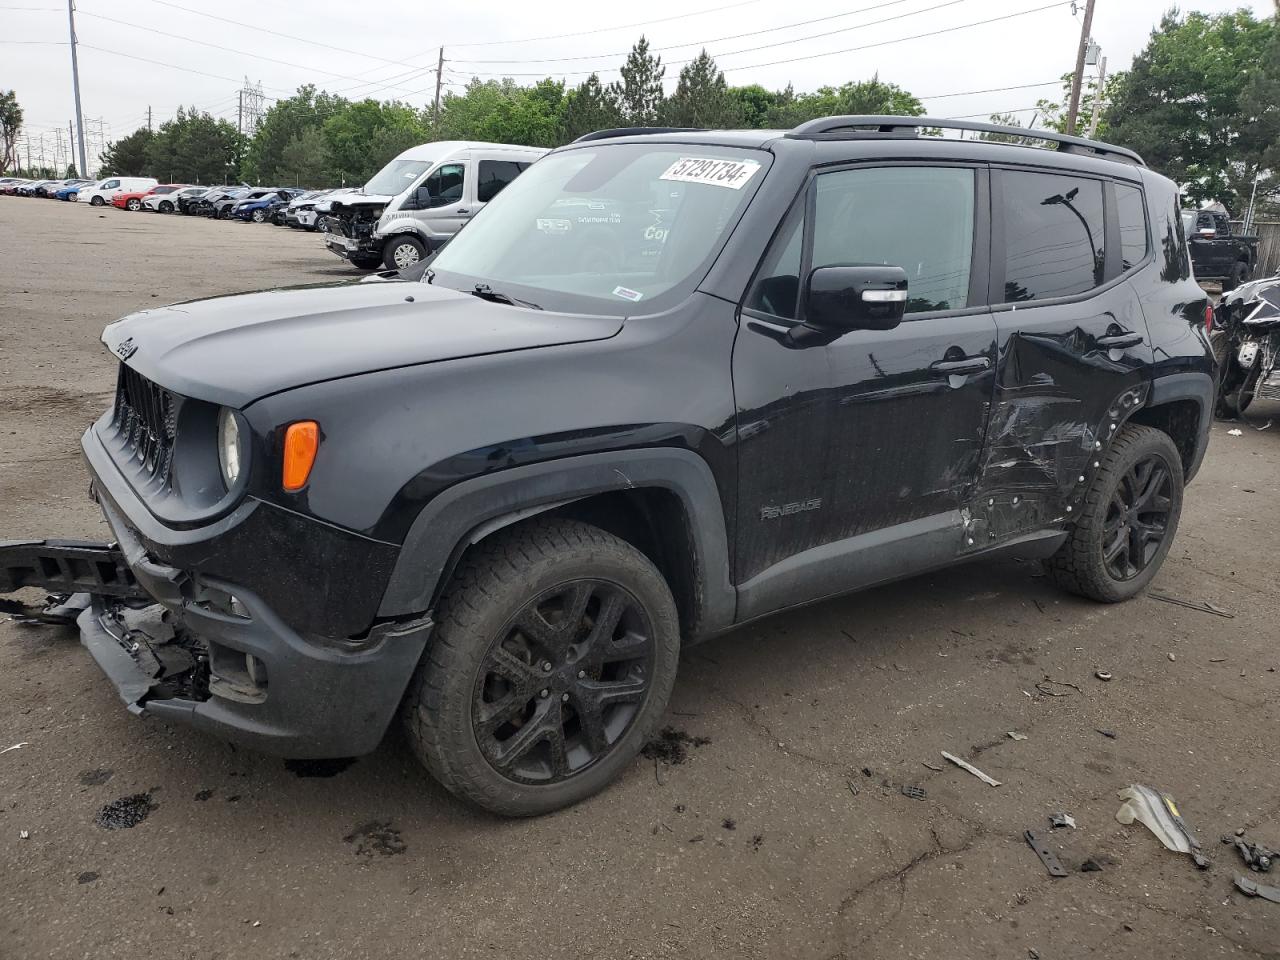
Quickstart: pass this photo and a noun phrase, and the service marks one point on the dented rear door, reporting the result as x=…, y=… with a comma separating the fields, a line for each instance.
x=1073, y=348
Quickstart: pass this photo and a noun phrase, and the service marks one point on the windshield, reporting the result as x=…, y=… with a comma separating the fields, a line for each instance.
x=618, y=223
x=396, y=177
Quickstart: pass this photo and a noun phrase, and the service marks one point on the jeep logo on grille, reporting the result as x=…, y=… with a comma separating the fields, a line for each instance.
x=126, y=348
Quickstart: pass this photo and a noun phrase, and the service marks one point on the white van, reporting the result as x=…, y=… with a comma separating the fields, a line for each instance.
x=419, y=200
x=101, y=192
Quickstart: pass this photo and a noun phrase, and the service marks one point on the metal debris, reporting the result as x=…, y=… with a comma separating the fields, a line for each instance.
x=1058, y=820
x=971, y=769
x=1047, y=856
x=1013, y=735
x=1158, y=813
x=1109, y=734
x=1043, y=687
x=1255, y=856
x=1102, y=675
x=1204, y=606
x=1252, y=888
x=914, y=792
x=1091, y=866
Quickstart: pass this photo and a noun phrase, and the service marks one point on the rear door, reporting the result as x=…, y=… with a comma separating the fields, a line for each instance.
x=1073, y=345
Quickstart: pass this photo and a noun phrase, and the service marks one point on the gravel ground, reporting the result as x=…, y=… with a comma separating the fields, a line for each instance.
x=785, y=835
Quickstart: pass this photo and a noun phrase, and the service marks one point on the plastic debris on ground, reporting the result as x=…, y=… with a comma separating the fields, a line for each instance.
x=1059, y=820
x=1013, y=735
x=1158, y=813
x=1252, y=888
x=1235, y=432
x=16, y=746
x=971, y=769
x=1255, y=856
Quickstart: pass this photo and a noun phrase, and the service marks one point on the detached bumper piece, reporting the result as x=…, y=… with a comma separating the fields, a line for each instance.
x=68, y=571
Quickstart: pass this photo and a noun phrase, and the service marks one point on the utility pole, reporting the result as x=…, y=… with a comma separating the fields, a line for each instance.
x=148, y=118
x=75, y=76
x=1078, y=83
x=435, y=120
x=1097, y=98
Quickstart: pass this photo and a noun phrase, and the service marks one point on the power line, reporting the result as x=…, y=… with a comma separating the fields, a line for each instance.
x=161, y=63
x=811, y=56
x=621, y=26
x=971, y=93
x=752, y=33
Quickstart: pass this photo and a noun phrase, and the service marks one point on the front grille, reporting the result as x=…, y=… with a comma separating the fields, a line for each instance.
x=145, y=422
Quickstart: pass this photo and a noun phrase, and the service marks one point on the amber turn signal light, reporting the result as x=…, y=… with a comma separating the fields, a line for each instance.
x=300, y=443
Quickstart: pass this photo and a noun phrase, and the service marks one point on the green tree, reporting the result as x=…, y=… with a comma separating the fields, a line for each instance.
x=701, y=97
x=363, y=136
x=1182, y=103
x=754, y=106
x=194, y=147
x=1053, y=113
x=588, y=107
x=284, y=122
x=70, y=173
x=127, y=157
x=639, y=93
x=304, y=160
x=1260, y=106
x=10, y=127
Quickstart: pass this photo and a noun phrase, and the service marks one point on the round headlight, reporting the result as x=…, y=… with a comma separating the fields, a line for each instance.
x=229, y=452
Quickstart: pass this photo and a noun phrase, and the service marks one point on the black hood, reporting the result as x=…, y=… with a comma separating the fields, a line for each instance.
x=236, y=349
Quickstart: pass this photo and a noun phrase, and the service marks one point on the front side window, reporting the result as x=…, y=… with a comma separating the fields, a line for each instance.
x=1053, y=235
x=613, y=227
x=445, y=184
x=917, y=218
x=777, y=286
x=494, y=175
x=1132, y=216
x=111, y=185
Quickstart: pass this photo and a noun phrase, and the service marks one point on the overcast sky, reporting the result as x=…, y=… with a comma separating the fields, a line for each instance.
x=385, y=53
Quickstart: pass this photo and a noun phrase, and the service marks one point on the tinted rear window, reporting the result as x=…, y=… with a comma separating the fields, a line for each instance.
x=1053, y=227
x=1132, y=215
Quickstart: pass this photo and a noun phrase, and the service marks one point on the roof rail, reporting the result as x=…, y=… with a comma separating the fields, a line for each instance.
x=852, y=127
x=633, y=132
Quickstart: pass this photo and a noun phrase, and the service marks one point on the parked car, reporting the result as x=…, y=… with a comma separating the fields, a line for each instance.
x=222, y=208
x=667, y=383
x=132, y=200
x=34, y=188
x=186, y=199
x=106, y=190
x=10, y=185
x=420, y=199
x=69, y=189
x=263, y=207
x=205, y=204
x=160, y=199
x=300, y=213
x=1216, y=252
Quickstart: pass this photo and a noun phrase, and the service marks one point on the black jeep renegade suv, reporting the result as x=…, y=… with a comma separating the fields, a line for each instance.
x=666, y=383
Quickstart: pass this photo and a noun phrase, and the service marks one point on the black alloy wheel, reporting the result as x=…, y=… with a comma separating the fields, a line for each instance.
x=1137, y=518
x=563, y=681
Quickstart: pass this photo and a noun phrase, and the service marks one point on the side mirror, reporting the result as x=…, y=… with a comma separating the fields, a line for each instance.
x=855, y=297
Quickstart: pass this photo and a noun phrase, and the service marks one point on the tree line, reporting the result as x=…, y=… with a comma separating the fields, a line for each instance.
x=315, y=138
x=1201, y=102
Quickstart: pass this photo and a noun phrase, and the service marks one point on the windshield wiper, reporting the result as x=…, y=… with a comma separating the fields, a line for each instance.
x=486, y=292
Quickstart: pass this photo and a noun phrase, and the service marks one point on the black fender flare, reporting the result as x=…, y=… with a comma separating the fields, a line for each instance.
x=1200, y=387
x=469, y=511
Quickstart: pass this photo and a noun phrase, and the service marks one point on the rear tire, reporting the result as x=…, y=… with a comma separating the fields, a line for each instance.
x=133, y=205
x=590, y=668
x=166, y=206
x=1109, y=555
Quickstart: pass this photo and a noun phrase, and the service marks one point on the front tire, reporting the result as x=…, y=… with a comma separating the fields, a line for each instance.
x=1127, y=520
x=402, y=252
x=97, y=202
x=1239, y=275
x=259, y=216
x=554, y=656
x=134, y=205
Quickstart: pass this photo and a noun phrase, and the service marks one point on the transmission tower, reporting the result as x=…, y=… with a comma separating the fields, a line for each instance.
x=252, y=107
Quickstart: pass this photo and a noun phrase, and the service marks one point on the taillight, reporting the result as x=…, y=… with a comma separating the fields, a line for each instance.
x=1208, y=318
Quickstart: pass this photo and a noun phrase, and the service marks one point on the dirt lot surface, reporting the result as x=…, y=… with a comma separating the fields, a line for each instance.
x=786, y=835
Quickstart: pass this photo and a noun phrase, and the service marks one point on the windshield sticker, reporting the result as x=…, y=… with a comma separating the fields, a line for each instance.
x=554, y=226
x=625, y=294
x=718, y=173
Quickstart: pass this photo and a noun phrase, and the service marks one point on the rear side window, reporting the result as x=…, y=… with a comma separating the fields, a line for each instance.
x=494, y=175
x=1132, y=216
x=917, y=218
x=1053, y=232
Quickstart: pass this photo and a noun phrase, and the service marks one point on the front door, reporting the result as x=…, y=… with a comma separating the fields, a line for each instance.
x=449, y=203
x=857, y=454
